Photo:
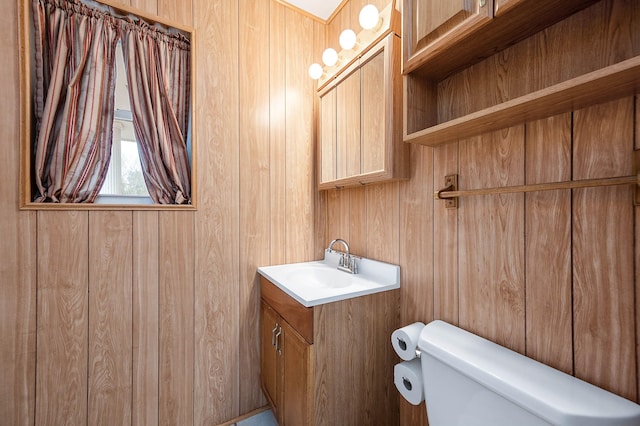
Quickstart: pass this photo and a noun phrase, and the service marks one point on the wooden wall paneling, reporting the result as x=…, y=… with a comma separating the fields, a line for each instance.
x=382, y=318
x=603, y=140
x=451, y=97
x=610, y=40
x=179, y=11
x=417, y=238
x=637, y=125
x=548, y=244
x=356, y=235
x=110, y=317
x=339, y=23
x=479, y=86
x=277, y=133
x=416, y=256
x=497, y=79
x=337, y=215
x=300, y=91
x=357, y=5
x=604, y=331
x=216, y=388
x=598, y=36
x=595, y=37
x=383, y=222
x=145, y=246
x=254, y=190
x=445, y=239
x=320, y=197
x=18, y=248
x=491, y=238
x=149, y=6
x=63, y=317
x=17, y=305
x=603, y=269
x=354, y=7
x=176, y=317
x=507, y=68
x=637, y=289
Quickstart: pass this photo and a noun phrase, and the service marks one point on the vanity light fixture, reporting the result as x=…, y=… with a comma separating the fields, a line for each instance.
x=315, y=71
x=375, y=25
x=348, y=39
x=329, y=57
x=370, y=18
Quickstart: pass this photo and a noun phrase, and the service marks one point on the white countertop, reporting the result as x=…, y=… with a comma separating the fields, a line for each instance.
x=318, y=282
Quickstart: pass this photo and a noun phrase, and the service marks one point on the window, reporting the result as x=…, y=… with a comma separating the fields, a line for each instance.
x=78, y=143
x=124, y=183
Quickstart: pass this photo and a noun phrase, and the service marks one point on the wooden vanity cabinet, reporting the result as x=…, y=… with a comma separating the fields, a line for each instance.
x=285, y=368
x=329, y=364
x=360, y=116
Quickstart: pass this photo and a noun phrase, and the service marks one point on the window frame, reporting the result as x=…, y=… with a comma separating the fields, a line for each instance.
x=26, y=116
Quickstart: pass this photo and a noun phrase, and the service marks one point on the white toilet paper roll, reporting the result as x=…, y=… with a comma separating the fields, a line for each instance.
x=405, y=340
x=407, y=377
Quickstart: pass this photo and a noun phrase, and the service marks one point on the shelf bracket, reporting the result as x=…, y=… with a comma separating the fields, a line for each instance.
x=450, y=184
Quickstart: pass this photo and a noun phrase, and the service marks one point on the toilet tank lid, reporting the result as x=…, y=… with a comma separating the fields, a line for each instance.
x=546, y=392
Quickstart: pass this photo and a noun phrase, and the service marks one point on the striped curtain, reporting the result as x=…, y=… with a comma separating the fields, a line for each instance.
x=158, y=76
x=74, y=71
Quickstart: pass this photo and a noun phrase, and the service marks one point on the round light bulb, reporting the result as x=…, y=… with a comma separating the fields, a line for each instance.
x=315, y=71
x=347, y=39
x=329, y=57
x=369, y=17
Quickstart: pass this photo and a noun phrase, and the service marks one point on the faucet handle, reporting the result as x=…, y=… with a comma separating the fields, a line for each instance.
x=353, y=266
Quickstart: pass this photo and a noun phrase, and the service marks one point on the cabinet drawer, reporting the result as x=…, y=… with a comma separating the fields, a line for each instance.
x=298, y=316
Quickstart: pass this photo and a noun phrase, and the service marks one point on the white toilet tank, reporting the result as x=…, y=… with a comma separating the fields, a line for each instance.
x=471, y=381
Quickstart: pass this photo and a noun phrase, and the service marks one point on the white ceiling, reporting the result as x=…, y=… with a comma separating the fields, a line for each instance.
x=319, y=8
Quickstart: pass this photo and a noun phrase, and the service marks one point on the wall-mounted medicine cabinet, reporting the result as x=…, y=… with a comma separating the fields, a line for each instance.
x=360, y=119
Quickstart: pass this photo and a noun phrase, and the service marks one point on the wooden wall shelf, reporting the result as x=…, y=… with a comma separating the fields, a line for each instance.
x=504, y=24
x=606, y=84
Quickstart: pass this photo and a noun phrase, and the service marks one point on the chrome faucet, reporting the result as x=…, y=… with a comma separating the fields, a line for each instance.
x=347, y=262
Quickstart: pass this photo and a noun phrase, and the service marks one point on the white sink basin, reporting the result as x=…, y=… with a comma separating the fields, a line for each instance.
x=318, y=282
x=318, y=275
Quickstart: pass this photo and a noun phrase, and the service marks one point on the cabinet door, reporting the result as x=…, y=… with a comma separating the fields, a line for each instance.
x=268, y=360
x=328, y=136
x=373, y=113
x=430, y=21
x=348, y=126
x=297, y=404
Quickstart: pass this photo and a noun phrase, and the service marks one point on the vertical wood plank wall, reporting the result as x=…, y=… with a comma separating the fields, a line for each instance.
x=551, y=275
x=152, y=317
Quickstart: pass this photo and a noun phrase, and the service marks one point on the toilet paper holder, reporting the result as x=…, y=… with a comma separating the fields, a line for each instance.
x=407, y=384
x=403, y=346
